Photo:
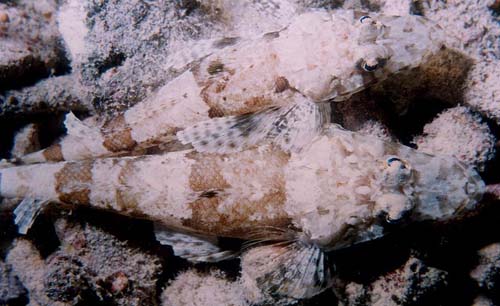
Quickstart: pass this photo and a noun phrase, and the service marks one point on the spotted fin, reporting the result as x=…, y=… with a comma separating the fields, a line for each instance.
x=291, y=127
x=26, y=213
x=191, y=247
x=292, y=269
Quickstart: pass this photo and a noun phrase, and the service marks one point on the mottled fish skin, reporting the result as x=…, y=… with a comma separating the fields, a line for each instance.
x=342, y=179
x=292, y=207
x=320, y=56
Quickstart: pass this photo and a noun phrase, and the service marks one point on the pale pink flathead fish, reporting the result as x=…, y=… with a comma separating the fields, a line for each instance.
x=292, y=208
x=239, y=92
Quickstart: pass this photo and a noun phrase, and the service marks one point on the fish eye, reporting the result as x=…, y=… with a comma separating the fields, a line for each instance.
x=394, y=160
x=369, y=68
x=364, y=18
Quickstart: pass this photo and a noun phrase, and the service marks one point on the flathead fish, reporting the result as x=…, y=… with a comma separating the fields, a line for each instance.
x=341, y=189
x=273, y=88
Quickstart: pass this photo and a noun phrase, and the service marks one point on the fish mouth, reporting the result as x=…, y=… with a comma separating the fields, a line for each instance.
x=445, y=188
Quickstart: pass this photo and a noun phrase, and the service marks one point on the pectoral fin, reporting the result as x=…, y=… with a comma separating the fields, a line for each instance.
x=26, y=213
x=291, y=127
x=191, y=247
x=292, y=269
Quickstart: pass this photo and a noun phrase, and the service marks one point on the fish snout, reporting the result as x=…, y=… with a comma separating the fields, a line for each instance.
x=449, y=196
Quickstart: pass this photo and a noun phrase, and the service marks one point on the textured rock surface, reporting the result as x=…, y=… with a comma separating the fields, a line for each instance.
x=91, y=266
x=30, y=47
x=482, y=91
x=60, y=93
x=91, y=257
x=10, y=286
x=482, y=301
x=196, y=289
x=29, y=266
x=408, y=285
x=478, y=31
x=458, y=132
x=487, y=272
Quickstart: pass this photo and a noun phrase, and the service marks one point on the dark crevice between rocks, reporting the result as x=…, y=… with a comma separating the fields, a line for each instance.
x=412, y=122
x=453, y=248
x=114, y=59
x=50, y=128
x=449, y=246
x=8, y=230
x=42, y=234
x=491, y=174
x=327, y=297
x=32, y=69
x=385, y=255
x=20, y=301
x=186, y=7
x=138, y=233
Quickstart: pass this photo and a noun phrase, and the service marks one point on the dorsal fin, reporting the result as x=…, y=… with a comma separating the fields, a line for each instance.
x=192, y=247
x=291, y=127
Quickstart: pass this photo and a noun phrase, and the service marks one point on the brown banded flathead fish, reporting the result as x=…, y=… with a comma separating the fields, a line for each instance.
x=341, y=189
x=274, y=88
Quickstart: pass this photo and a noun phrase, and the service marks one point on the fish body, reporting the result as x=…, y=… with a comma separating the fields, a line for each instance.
x=274, y=88
x=342, y=189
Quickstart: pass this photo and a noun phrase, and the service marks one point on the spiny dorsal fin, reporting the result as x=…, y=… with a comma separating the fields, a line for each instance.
x=191, y=247
x=26, y=213
x=292, y=269
x=291, y=127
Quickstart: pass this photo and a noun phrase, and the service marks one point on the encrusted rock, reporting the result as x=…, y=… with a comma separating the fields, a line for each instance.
x=10, y=286
x=487, y=273
x=65, y=279
x=30, y=48
x=482, y=301
x=471, y=22
x=28, y=265
x=196, y=289
x=482, y=91
x=407, y=285
x=460, y=133
x=90, y=264
x=26, y=141
x=113, y=268
x=61, y=93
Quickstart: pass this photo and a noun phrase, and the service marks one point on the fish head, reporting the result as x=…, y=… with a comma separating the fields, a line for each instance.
x=363, y=186
x=408, y=40
x=440, y=187
x=384, y=45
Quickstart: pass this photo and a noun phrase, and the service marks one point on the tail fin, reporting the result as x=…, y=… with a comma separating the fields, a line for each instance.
x=26, y=213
